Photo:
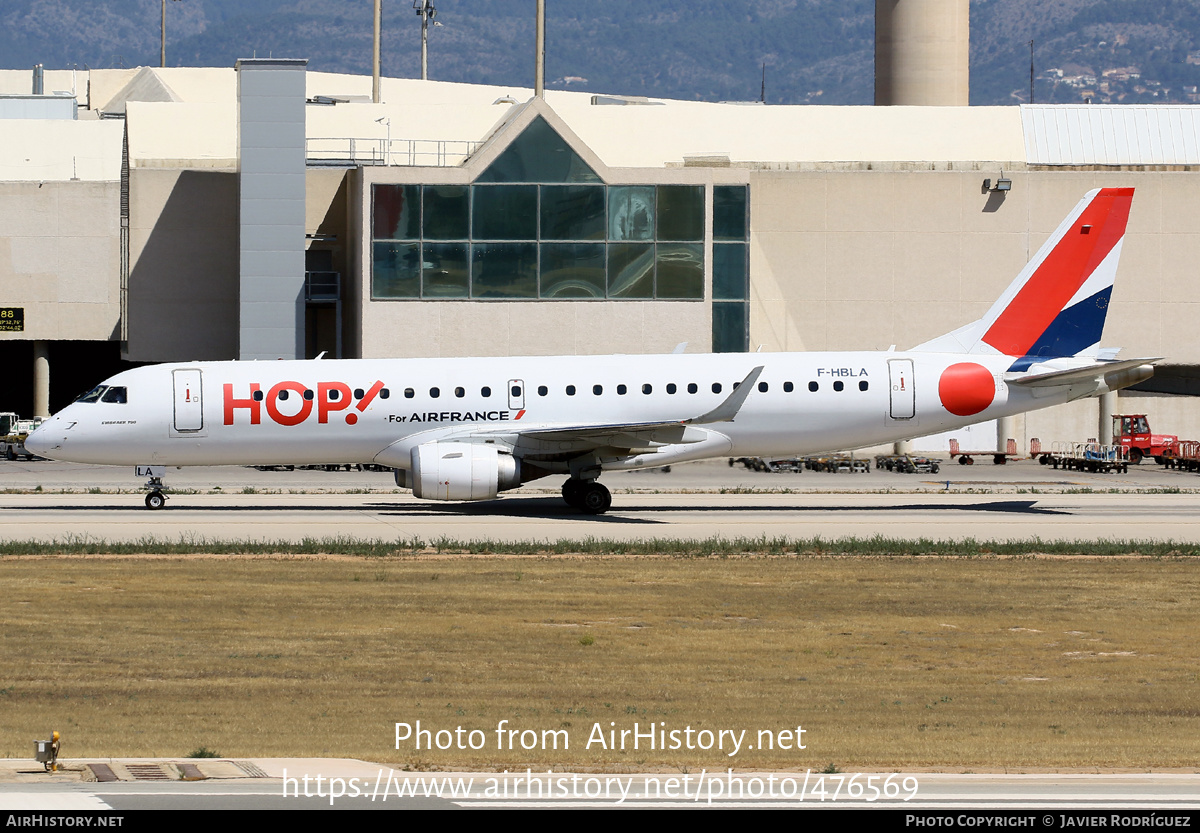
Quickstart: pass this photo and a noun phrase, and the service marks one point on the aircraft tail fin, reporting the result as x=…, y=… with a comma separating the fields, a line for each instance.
x=1057, y=305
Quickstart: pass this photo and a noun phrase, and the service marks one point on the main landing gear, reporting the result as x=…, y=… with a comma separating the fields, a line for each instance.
x=588, y=496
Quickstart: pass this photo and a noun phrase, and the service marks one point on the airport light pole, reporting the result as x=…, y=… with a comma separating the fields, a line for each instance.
x=427, y=13
x=375, y=51
x=162, y=55
x=539, y=60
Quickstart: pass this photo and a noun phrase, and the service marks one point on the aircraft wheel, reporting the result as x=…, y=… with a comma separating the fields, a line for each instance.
x=595, y=498
x=156, y=500
x=572, y=492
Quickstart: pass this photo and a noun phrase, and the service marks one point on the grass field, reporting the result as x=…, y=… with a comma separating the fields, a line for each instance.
x=963, y=663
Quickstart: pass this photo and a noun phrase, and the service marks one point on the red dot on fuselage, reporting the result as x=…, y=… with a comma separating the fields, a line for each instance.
x=351, y=419
x=966, y=388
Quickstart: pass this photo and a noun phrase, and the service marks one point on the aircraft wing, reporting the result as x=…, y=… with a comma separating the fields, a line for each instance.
x=632, y=435
x=1100, y=373
x=560, y=441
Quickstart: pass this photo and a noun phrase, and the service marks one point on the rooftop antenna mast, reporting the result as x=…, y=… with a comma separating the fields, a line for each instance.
x=1031, y=72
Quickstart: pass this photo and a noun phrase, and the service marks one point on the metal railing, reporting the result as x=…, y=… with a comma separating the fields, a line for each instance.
x=438, y=153
x=322, y=286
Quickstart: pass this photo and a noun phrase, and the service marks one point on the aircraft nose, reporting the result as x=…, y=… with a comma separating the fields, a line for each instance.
x=37, y=442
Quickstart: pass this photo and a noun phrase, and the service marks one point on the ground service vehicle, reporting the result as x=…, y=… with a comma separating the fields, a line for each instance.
x=1133, y=432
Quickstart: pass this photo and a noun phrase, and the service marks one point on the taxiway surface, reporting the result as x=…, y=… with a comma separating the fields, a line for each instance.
x=1013, y=502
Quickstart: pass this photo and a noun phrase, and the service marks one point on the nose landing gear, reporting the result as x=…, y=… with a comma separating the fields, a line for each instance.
x=155, y=499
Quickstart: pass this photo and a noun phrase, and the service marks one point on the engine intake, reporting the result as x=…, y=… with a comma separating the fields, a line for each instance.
x=460, y=471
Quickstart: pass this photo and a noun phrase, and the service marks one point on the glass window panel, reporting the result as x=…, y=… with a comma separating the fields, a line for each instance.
x=445, y=270
x=504, y=270
x=397, y=212
x=573, y=270
x=730, y=279
x=680, y=270
x=680, y=214
x=446, y=212
x=729, y=212
x=631, y=270
x=572, y=212
x=395, y=270
x=730, y=327
x=505, y=212
x=631, y=212
x=539, y=154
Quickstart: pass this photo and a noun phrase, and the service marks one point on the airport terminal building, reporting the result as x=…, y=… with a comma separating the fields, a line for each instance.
x=264, y=211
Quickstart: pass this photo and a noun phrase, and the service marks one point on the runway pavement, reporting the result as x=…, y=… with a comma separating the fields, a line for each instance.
x=1013, y=502
x=360, y=785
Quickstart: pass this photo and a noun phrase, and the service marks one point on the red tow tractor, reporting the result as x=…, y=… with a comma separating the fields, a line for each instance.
x=1133, y=432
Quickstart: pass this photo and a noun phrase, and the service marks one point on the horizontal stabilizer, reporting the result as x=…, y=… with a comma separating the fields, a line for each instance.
x=1078, y=375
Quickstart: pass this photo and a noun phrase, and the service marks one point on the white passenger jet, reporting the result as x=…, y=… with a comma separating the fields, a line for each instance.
x=463, y=429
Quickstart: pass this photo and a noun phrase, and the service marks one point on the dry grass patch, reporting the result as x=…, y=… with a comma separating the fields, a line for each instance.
x=887, y=663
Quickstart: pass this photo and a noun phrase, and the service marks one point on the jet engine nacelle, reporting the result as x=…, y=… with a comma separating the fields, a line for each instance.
x=459, y=471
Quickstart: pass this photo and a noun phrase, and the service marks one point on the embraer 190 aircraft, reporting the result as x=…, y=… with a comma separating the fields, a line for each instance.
x=463, y=429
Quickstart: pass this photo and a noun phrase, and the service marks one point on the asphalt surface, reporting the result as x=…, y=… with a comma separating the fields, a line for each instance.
x=1018, y=501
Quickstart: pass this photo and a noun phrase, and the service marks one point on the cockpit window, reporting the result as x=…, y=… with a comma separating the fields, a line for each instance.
x=94, y=394
x=115, y=394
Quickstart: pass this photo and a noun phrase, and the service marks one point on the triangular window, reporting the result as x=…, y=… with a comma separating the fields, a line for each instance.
x=539, y=154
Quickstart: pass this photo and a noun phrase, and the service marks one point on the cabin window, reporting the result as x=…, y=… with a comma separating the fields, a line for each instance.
x=647, y=389
x=863, y=385
x=257, y=396
x=543, y=390
x=308, y=395
x=621, y=390
x=839, y=385
x=716, y=387
x=115, y=395
x=597, y=389
x=671, y=388
x=384, y=393
x=409, y=393
x=692, y=387
x=570, y=390
x=813, y=386
x=434, y=393
x=762, y=387
x=358, y=393
x=788, y=387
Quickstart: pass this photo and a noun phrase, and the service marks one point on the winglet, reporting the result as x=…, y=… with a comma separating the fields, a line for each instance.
x=727, y=410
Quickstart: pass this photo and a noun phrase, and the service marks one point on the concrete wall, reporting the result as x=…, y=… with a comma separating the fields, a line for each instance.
x=183, y=281
x=60, y=258
x=860, y=260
